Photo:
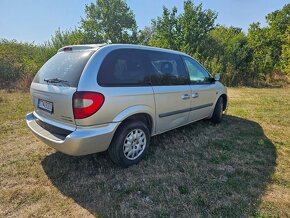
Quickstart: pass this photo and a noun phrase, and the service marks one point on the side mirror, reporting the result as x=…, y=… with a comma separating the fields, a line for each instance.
x=217, y=77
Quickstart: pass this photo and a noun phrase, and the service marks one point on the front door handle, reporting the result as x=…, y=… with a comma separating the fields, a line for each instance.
x=195, y=95
x=185, y=96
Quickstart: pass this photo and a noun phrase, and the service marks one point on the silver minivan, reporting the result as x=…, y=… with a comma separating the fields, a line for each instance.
x=93, y=98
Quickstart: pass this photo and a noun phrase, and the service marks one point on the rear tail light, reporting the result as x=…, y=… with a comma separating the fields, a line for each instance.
x=86, y=104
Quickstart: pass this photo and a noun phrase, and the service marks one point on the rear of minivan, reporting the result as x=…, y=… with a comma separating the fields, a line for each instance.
x=58, y=104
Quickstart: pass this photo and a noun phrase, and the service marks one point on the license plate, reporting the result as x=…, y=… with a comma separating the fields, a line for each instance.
x=45, y=105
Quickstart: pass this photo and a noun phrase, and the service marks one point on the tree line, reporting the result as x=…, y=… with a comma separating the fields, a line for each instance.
x=260, y=57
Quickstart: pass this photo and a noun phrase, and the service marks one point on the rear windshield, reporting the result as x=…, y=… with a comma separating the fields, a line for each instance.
x=67, y=66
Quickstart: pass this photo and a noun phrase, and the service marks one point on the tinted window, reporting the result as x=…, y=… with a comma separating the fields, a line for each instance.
x=166, y=69
x=66, y=66
x=124, y=67
x=196, y=72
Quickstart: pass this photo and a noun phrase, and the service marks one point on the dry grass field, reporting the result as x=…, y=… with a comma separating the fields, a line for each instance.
x=240, y=168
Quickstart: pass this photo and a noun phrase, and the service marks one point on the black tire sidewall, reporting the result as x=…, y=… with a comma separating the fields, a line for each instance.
x=218, y=111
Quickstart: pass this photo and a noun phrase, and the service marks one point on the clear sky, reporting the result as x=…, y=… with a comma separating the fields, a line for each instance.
x=37, y=20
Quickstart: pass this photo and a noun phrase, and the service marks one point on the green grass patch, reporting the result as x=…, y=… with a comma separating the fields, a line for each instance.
x=239, y=168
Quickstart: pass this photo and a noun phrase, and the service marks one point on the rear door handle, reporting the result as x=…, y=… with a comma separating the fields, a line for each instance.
x=185, y=96
x=195, y=95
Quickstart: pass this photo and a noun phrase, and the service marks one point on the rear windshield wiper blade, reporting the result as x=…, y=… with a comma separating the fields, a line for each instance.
x=56, y=80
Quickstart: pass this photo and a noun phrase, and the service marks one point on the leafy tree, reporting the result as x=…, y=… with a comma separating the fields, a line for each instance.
x=269, y=44
x=285, y=57
x=64, y=38
x=254, y=59
x=16, y=61
x=261, y=44
x=231, y=54
x=196, y=24
x=167, y=30
x=144, y=36
x=187, y=32
x=109, y=20
x=279, y=25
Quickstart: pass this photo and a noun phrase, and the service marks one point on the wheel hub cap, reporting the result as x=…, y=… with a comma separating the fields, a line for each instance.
x=134, y=144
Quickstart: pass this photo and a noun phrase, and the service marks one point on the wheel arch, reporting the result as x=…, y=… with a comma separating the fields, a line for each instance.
x=141, y=112
x=225, y=101
x=145, y=118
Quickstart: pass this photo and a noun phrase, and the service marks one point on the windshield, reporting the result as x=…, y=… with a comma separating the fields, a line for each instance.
x=64, y=66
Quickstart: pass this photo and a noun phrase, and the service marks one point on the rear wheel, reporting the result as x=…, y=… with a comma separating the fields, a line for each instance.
x=130, y=143
x=218, y=111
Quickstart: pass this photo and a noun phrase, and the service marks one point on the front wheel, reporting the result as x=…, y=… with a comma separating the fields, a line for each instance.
x=130, y=143
x=218, y=111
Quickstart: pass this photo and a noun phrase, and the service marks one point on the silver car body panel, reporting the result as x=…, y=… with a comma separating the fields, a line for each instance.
x=203, y=99
x=81, y=141
x=118, y=101
x=168, y=106
x=61, y=97
x=172, y=106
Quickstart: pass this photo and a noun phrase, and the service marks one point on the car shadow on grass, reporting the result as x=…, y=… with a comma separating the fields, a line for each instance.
x=201, y=169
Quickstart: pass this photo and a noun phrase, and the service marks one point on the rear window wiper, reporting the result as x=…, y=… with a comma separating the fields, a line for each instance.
x=56, y=80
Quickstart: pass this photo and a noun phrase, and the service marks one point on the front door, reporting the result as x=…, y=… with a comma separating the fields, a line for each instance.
x=203, y=91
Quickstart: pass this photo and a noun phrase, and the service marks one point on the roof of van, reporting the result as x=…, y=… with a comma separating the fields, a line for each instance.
x=98, y=46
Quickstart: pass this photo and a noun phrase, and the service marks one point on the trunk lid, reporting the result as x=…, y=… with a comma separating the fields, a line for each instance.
x=60, y=101
x=54, y=85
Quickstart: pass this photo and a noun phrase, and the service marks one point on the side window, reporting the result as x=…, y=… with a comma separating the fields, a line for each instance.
x=124, y=67
x=166, y=69
x=197, y=73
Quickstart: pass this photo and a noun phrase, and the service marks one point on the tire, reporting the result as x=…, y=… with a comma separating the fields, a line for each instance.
x=132, y=136
x=218, y=111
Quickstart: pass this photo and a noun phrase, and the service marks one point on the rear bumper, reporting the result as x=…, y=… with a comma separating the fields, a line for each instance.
x=81, y=141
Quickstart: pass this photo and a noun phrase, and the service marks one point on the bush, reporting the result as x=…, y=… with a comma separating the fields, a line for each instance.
x=19, y=61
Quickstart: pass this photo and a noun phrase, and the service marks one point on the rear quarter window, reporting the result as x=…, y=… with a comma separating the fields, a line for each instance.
x=124, y=67
x=66, y=66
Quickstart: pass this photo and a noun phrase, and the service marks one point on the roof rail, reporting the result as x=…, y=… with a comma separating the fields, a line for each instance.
x=81, y=47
